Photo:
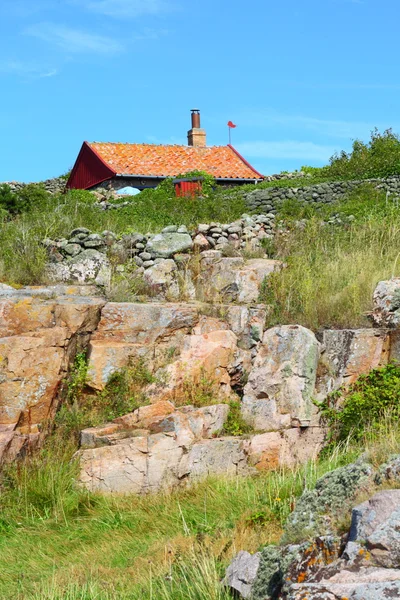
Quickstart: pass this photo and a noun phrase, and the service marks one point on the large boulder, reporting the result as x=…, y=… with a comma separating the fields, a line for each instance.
x=165, y=245
x=131, y=331
x=159, y=461
x=89, y=266
x=315, y=508
x=232, y=279
x=376, y=524
x=281, y=383
x=166, y=282
x=349, y=353
x=288, y=448
x=386, y=303
x=365, y=584
x=207, y=357
x=40, y=335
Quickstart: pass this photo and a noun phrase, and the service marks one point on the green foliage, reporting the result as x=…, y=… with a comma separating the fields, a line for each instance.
x=235, y=424
x=198, y=391
x=8, y=199
x=81, y=408
x=33, y=194
x=364, y=405
x=380, y=157
x=63, y=542
x=208, y=181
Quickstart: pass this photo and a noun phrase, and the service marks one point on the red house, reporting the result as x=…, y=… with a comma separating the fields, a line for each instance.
x=117, y=165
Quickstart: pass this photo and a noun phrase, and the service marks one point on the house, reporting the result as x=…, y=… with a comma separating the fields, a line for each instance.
x=117, y=165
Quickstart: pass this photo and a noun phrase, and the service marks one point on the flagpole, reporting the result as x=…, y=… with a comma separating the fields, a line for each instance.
x=229, y=129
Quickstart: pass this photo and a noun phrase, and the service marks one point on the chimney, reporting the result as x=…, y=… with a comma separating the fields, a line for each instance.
x=196, y=135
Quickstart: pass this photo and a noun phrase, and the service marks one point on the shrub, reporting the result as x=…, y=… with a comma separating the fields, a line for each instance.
x=364, y=405
x=8, y=199
x=380, y=157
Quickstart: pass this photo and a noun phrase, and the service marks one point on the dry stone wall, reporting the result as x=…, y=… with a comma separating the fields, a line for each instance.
x=270, y=199
x=56, y=185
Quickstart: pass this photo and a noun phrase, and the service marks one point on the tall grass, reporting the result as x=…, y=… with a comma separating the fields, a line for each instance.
x=23, y=258
x=59, y=541
x=331, y=271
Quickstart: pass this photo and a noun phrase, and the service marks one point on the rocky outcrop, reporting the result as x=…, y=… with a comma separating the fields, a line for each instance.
x=40, y=336
x=386, y=303
x=234, y=279
x=241, y=573
x=281, y=383
x=160, y=446
x=348, y=353
x=362, y=565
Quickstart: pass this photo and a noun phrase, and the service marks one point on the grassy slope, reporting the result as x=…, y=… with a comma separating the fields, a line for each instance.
x=57, y=541
x=332, y=270
x=53, y=534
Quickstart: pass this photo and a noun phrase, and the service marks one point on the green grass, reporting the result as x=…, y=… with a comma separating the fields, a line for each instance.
x=331, y=271
x=58, y=541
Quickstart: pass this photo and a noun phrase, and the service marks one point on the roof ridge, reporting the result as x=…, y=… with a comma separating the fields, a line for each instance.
x=158, y=145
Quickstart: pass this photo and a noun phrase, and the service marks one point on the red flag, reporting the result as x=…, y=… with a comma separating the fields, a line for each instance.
x=231, y=125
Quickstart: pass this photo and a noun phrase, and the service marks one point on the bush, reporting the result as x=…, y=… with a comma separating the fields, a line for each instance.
x=380, y=157
x=364, y=405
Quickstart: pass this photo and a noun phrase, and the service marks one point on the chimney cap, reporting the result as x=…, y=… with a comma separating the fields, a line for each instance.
x=195, y=110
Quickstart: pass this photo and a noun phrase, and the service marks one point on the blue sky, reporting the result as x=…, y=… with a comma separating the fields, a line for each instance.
x=301, y=79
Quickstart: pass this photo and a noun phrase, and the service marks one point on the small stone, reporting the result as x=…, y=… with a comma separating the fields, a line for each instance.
x=235, y=229
x=79, y=230
x=200, y=242
x=222, y=241
x=138, y=261
x=171, y=229
x=72, y=249
x=94, y=243
x=148, y=263
x=145, y=256
x=203, y=228
x=140, y=246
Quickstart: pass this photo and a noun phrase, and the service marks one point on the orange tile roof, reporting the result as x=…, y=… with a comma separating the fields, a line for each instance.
x=223, y=162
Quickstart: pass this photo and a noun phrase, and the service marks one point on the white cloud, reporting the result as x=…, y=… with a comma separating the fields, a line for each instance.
x=26, y=69
x=289, y=149
x=74, y=41
x=126, y=8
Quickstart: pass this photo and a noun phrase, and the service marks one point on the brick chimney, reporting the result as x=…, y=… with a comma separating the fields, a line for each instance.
x=196, y=135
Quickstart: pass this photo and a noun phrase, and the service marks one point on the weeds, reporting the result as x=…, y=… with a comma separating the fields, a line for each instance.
x=83, y=408
x=235, y=424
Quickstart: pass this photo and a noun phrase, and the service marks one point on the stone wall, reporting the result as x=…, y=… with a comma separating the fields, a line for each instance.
x=56, y=185
x=269, y=199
